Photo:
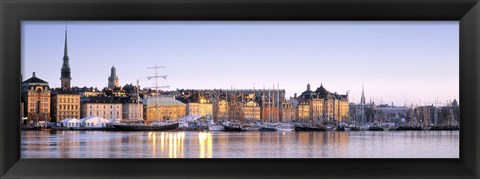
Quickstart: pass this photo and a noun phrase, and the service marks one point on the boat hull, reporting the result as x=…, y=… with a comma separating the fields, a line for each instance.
x=267, y=129
x=145, y=128
x=216, y=128
x=285, y=129
x=232, y=129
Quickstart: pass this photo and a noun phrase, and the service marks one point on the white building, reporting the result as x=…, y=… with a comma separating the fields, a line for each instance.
x=132, y=110
x=104, y=107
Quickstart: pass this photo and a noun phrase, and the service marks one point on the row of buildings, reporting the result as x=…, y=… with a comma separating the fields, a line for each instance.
x=40, y=103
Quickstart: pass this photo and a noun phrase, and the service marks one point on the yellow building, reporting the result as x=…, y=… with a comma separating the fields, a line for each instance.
x=36, y=94
x=251, y=110
x=163, y=108
x=65, y=104
x=201, y=108
x=303, y=111
x=222, y=110
x=325, y=106
x=288, y=111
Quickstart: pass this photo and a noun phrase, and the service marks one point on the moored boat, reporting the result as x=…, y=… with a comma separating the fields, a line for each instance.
x=406, y=128
x=250, y=128
x=232, y=128
x=299, y=127
x=285, y=127
x=268, y=128
x=144, y=127
x=216, y=128
x=375, y=128
x=444, y=128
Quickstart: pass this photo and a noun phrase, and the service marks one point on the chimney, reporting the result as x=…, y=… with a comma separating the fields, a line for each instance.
x=294, y=95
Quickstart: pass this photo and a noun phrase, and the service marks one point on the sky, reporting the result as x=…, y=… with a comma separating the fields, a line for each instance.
x=399, y=62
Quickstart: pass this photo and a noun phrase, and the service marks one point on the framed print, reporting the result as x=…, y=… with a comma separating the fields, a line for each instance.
x=225, y=89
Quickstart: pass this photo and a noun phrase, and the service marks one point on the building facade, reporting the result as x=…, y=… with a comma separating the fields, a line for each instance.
x=251, y=110
x=105, y=107
x=36, y=94
x=323, y=105
x=222, y=110
x=65, y=104
x=200, y=106
x=163, y=109
x=132, y=109
x=288, y=111
x=303, y=111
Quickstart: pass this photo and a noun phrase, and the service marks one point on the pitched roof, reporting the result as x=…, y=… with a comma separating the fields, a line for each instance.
x=321, y=91
x=34, y=79
x=162, y=100
x=101, y=99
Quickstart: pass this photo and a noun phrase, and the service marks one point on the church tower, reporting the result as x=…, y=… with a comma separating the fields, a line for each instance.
x=65, y=72
x=113, y=79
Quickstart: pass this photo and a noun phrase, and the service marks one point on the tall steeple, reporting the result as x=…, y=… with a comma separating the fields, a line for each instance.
x=65, y=77
x=362, y=100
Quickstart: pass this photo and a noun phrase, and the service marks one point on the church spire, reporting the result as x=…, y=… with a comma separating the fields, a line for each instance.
x=65, y=77
x=65, y=52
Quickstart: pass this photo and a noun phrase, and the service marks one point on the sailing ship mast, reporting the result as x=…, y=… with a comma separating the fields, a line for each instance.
x=156, y=83
x=269, y=106
x=278, y=102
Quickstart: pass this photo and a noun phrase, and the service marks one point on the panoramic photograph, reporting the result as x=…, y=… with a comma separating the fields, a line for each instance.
x=240, y=89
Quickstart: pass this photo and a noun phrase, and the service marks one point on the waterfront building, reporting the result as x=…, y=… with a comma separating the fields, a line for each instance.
x=222, y=107
x=132, y=109
x=101, y=106
x=303, y=111
x=65, y=77
x=64, y=104
x=288, y=109
x=36, y=95
x=201, y=107
x=324, y=106
x=251, y=110
x=163, y=108
x=113, y=78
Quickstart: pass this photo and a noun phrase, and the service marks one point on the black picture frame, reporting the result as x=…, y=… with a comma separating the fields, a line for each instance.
x=12, y=12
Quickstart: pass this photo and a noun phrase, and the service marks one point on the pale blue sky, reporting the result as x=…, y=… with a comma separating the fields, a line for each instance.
x=400, y=62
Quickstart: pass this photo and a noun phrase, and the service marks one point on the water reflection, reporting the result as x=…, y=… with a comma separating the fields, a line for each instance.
x=103, y=144
x=205, y=143
x=174, y=142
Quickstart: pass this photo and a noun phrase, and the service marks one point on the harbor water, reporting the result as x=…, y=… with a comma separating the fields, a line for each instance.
x=219, y=144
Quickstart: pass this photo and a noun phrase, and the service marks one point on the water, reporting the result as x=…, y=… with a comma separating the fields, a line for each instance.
x=218, y=144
